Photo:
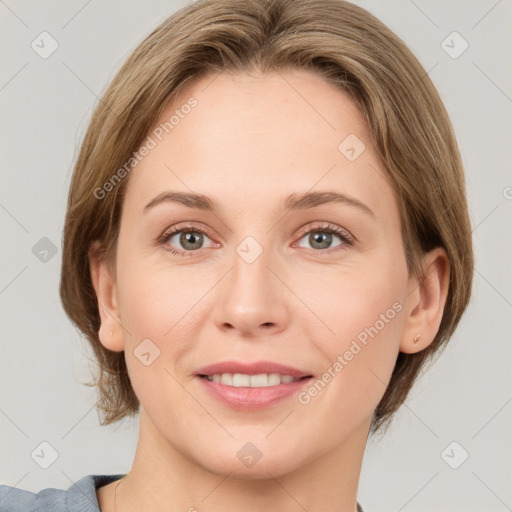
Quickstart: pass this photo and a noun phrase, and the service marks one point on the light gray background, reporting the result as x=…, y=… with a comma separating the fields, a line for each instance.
x=45, y=105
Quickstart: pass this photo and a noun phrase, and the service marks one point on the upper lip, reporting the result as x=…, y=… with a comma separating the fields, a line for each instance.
x=255, y=368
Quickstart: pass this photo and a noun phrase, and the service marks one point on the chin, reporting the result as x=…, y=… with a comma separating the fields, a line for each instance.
x=250, y=460
x=261, y=470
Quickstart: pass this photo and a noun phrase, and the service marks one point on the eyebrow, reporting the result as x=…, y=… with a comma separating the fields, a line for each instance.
x=291, y=202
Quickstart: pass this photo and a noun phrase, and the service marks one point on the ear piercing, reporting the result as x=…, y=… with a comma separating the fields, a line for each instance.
x=416, y=339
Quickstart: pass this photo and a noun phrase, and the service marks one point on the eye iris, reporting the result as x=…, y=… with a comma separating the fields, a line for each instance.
x=191, y=237
x=323, y=238
x=192, y=240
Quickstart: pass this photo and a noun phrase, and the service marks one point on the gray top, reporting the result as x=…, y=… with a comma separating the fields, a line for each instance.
x=80, y=497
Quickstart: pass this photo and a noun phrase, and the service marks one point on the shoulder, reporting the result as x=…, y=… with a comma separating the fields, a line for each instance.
x=80, y=497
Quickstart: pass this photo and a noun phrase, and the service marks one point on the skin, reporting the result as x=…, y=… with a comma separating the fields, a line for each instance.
x=251, y=141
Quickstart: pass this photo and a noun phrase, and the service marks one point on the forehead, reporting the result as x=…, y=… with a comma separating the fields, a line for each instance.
x=254, y=135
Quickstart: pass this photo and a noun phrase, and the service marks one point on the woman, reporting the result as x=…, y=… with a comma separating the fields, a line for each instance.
x=266, y=239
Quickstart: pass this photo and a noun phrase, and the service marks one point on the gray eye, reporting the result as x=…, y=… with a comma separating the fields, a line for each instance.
x=189, y=240
x=321, y=239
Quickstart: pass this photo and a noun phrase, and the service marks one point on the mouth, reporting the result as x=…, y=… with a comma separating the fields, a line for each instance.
x=251, y=386
x=243, y=380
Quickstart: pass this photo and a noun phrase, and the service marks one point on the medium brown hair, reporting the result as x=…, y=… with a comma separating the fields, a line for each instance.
x=348, y=47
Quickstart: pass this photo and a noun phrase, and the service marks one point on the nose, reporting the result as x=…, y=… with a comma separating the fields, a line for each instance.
x=251, y=300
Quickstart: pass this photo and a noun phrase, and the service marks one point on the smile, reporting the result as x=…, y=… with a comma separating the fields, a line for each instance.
x=262, y=380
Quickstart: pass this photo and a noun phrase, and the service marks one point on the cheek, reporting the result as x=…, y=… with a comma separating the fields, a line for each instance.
x=163, y=308
x=363, y=316
x=351, y=302
x=156, y=300
x=160, y=325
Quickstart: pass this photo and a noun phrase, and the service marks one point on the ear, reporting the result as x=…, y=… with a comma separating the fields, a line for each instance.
x=103, y=280
x=425, y=303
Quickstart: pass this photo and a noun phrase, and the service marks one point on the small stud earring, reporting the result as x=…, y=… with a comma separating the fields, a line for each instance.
x=416, y=339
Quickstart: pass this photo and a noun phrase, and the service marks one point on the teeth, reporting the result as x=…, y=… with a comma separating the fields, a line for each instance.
x=227, y=378
x=239, y=380
x=274, y=379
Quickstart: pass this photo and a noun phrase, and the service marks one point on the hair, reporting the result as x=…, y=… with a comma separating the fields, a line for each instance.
x=348, y=47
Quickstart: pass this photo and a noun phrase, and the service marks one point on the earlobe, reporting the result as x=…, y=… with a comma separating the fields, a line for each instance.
x=425, y=303
x=104, y=283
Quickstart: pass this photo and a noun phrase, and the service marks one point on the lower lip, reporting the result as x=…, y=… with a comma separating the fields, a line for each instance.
x=249, y=399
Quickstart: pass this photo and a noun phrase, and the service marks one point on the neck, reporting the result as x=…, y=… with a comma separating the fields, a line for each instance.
x=164, y=478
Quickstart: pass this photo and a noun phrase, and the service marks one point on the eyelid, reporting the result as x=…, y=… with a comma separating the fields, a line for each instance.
x=185, y=226
x=346, y=237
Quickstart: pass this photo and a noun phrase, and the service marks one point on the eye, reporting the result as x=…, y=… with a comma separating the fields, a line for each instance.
x=190, y=240
x=322, y=237
x=185, y=240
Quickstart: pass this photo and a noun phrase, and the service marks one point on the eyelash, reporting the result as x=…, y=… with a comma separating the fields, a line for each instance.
x=346, y=238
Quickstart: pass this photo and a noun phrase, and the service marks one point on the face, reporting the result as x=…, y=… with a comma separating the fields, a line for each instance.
x=266, y=281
